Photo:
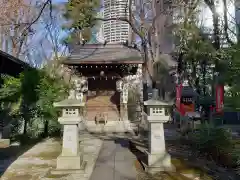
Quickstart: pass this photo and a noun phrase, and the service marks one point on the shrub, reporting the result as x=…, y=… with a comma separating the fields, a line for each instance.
x=133, y=97
x=215, y=142
x=27, y=102
x=238, y=167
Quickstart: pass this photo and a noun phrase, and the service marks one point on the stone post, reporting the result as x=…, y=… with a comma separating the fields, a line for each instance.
x=124, y=102
x=71, y=157
x=158, y=158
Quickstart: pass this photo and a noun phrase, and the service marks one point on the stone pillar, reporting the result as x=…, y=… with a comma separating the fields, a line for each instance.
x=155, y=94
x=71, y=157
x=158, y=158
x=124, y=102
x=70, y=145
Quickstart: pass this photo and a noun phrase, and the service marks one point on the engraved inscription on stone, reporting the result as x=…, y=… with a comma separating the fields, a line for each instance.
x=157, y=136
x=68, y=131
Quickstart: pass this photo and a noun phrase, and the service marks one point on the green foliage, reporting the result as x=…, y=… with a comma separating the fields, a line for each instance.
x=78, y=35
x=31, y=97
x=231, y=76
x=11, y=89
x=215, y=142
x=29, y=82
x=81, y=16
x=210, y=138
x=49, y=90
x=81, y=13
x=233, y=65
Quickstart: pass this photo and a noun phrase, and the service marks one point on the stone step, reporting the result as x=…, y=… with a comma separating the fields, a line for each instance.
x=102, y=102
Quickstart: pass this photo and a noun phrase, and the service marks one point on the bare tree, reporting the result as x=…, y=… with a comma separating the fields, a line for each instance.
x=53, y=39
x=151, y=21
x=17, y=20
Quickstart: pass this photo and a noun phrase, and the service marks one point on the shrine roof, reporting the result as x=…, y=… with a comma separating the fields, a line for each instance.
x=68, y=103
x=189, y=91
x=154, y=102
x=104, y=54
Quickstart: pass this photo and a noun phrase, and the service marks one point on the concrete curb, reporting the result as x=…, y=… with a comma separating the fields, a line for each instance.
x=97, y=150
x=90, y=146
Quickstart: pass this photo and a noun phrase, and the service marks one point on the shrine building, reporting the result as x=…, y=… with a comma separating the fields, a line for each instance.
x=103, y=73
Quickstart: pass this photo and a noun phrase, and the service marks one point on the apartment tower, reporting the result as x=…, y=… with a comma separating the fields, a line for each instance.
x=116, y=31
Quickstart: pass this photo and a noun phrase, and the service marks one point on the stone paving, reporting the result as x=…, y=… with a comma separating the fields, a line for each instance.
x=115, y=162
x=33, y=164
x=36, y=163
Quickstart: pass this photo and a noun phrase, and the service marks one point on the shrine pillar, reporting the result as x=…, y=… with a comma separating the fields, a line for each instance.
x=123, y=89
x=124, y=103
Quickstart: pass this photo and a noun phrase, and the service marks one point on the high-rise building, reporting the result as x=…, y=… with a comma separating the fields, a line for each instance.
x=116, y=31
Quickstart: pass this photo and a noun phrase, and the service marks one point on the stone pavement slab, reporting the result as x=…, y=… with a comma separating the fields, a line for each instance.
x=115, y=162
x=90, y=146
x=37, y=162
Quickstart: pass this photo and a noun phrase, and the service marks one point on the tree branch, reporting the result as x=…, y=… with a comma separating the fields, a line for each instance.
x=226, y=22
x=37, y=18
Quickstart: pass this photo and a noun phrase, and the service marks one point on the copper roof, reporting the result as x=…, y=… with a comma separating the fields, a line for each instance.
x=106, y=54
x=11, y=65
x=12, y=58
x=189, y=91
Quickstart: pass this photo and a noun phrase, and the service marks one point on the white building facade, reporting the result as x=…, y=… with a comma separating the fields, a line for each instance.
x=116, y=31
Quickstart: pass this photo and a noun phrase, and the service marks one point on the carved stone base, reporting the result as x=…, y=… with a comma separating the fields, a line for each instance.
x=159, y=162
x=69, y=162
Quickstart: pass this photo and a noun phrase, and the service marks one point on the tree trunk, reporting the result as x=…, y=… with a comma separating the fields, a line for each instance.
x=26, y=118
x=145, y=71
x=25, y=126
x=204, y=77
x=45, y=132
x=145, y=86
x=216, y=31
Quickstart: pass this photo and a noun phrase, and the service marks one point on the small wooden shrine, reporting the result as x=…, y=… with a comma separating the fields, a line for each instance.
x=99, y=73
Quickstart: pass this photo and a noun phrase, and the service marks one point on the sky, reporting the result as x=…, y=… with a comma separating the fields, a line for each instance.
x=205, y=17
x=59, y=1
x=36, y=52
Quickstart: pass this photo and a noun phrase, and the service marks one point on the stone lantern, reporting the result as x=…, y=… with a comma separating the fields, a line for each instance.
x=70, y=158
x=158, y=158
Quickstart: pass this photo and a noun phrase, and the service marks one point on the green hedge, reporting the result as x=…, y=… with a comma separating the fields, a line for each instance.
x=28, y=100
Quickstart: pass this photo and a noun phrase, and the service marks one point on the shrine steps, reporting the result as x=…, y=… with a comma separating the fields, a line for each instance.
x=102, y=105
x=110, y=115
x=109, y=127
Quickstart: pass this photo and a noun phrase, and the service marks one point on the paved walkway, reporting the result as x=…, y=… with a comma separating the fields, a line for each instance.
x=115, y=162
